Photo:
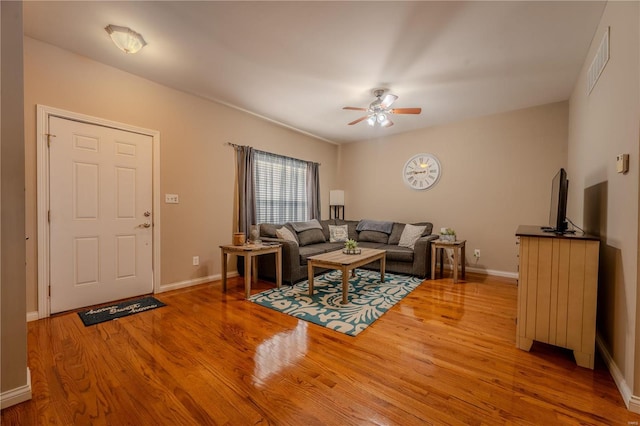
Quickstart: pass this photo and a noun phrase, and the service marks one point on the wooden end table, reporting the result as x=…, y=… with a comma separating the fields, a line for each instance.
x=458, y=248
x=250, y=253
x=345, y=263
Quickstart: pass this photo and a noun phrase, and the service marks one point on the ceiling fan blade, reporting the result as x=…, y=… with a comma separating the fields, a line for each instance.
x=388, y=123
x=388, y=100
x=354, y=108
x=406, y=110
x=358, y=120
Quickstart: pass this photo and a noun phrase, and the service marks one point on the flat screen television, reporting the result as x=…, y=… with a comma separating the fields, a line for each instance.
x=558, y=209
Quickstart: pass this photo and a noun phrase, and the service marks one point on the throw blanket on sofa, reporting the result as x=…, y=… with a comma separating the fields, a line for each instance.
x=305, y=226
x=374, y=225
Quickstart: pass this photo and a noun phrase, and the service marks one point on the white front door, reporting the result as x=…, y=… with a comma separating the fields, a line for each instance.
x=100, y=183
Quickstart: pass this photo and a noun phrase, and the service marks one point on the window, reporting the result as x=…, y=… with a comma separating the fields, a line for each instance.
x=280, y=188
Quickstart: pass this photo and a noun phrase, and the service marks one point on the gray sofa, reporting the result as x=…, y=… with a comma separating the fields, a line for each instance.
x=399, y=259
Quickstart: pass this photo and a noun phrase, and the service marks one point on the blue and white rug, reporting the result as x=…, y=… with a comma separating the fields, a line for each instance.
x=368, y=299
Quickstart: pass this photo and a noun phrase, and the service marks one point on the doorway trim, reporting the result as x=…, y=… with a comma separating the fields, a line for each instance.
x=43, y=114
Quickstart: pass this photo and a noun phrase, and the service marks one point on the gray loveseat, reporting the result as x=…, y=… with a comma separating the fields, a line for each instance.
x=311, y=242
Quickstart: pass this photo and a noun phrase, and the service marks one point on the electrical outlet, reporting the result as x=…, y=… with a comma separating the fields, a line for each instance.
x=171, y=198
x=476, y=253
x=196, y=260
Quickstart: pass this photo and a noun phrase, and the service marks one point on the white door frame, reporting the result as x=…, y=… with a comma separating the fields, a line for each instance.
x=43, y=114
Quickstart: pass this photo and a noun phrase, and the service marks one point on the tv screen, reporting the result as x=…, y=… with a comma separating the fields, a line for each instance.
x=558, y=210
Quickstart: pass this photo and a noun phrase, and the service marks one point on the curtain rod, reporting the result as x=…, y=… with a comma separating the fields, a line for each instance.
x=266, y=152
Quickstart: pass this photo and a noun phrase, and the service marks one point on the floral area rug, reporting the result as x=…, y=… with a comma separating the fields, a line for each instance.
x=369, y=299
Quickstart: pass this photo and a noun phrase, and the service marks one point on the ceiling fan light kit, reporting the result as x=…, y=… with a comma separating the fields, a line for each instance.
x=380, y=109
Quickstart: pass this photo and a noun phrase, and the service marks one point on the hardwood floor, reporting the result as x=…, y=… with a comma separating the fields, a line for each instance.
x=444, y=355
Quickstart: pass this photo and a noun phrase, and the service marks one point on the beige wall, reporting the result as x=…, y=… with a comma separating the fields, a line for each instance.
x=602, y=125
x=195, y=162
x=14, y=385
x=496, y=175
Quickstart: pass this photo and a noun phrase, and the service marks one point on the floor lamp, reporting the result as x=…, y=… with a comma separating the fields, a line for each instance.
x=336, y=203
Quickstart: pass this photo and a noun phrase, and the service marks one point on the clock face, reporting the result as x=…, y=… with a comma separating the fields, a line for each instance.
x=421, y=171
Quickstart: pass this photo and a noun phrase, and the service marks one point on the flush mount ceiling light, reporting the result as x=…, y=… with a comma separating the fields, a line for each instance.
x=125, y=38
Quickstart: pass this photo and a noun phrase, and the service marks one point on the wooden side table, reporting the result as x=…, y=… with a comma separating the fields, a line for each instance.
x=250, y=252
x=458, y=256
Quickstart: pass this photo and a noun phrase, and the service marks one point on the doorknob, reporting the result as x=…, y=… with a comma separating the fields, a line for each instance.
x=145, y=225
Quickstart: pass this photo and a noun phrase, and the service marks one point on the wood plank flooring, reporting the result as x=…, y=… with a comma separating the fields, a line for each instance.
x=445, y=354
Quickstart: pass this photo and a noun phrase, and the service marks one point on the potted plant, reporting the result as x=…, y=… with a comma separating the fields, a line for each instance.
x=351, y=247
x=448, y=234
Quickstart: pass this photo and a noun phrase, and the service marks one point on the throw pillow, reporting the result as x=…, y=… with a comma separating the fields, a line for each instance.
x=268, y=230
x=284, y=234
x=351, y=226
x=410, y=235
x=338, y=233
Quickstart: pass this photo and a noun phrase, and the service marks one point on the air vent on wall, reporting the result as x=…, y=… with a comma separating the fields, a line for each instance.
x=599, y=62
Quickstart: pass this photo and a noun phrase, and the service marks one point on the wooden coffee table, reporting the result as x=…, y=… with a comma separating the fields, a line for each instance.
x=345, y=263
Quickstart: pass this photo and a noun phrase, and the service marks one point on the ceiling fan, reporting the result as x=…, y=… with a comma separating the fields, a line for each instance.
x=380, y=110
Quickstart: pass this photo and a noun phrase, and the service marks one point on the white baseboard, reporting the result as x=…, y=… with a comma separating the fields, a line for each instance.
x=17, y=395
x=492, y=272
x=33, y=316
x=631, y=401
x=195, y=281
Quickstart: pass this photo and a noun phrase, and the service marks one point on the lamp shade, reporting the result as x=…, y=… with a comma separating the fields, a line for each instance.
x=336, y=197
x=125, y=38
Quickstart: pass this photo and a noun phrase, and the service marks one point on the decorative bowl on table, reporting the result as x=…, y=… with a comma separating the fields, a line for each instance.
x=351, y=251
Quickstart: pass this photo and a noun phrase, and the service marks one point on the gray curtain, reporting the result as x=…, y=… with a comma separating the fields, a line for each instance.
x=246, y=194
x=313, y=190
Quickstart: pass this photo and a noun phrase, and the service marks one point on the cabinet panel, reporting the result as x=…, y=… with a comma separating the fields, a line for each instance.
x=557, y=293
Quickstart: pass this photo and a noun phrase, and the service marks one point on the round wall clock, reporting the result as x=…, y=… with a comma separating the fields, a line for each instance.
x=422, y=171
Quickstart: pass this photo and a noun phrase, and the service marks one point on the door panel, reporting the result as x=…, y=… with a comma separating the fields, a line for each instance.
x=100, y=186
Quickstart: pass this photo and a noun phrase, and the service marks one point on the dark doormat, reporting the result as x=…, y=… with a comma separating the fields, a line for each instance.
x=107, y=313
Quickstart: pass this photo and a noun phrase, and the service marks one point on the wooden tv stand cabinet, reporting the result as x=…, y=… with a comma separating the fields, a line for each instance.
x=557, y=291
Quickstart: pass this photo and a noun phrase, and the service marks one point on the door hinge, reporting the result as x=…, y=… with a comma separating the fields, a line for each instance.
x=49, y=136
x=49, y=216
x=49, y=290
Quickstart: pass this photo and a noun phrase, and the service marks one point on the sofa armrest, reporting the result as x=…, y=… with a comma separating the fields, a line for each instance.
x=422, y=255
x=290, y=258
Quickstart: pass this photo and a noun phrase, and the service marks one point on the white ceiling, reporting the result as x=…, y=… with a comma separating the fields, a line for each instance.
x=299, y=63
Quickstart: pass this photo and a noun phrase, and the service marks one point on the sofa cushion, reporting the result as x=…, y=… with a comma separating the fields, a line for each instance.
x=315, y=249
x=307, y=251
x=396, y=232
x=398, y=254
x=304, y=226
x=325, y=227
x=368, y=244
x=410, y=235
x=373, y=237
x=311, y=236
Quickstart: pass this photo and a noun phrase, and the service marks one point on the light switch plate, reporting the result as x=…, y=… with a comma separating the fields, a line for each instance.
x=171, y=198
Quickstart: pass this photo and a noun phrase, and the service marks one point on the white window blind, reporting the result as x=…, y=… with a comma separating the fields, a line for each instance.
x=280, y=188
